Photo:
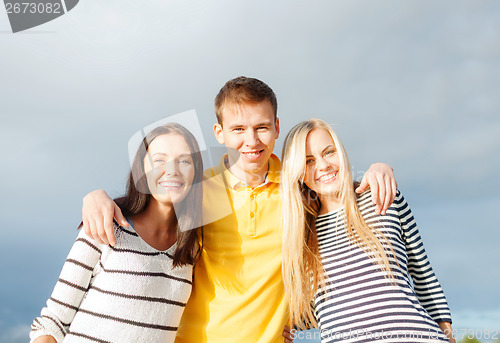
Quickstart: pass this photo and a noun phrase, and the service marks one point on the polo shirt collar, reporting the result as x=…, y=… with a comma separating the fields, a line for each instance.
x=273, y=174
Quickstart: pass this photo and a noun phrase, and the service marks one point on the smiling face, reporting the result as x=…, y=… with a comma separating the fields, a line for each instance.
x=322, y=164
x=249, y=131
x=169, y=168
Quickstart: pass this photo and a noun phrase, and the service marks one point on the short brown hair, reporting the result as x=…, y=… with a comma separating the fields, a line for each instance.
x=244, y=90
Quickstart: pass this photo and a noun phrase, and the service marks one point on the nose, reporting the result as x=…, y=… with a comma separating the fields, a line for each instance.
x=252, y=138
x=171, y=168
x=322, y=164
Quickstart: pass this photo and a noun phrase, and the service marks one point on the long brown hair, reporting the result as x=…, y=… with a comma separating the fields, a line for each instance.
x=188, y=212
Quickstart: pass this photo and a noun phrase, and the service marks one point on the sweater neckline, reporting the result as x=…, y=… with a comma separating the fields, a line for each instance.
x=331, y=213
x=170, y=250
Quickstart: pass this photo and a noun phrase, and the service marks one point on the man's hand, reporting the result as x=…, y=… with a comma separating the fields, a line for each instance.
x=97, y=215
x=380, y=178
x=289, y=334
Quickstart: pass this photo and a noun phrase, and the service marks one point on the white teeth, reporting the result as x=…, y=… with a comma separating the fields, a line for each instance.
x=171, y=184
x=327, y=177
x=251, y=153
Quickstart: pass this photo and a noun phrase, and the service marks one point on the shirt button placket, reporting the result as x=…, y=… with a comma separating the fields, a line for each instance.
x=253, y=215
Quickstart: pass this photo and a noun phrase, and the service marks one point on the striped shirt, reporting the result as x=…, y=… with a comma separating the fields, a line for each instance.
x=125, y=293
x=359, y=303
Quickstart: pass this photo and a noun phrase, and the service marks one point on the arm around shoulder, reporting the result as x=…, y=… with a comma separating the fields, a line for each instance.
x=380, y=178
x=98, y=211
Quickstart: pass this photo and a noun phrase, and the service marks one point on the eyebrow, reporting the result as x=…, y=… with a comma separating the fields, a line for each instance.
x=327, y=147
x=163, y=154
x=265, y=123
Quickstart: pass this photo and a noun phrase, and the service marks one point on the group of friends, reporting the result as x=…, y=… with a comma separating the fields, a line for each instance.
x=249, y=250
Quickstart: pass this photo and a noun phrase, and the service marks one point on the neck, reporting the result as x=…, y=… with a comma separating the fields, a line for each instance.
x=253, y=178
x=157, y=224
x=329, y=203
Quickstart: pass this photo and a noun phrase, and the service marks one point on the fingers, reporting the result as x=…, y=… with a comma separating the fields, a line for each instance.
x=391, y=190
x=86, y=227
x=97, y=212
x=380, y=178
x=363, y=186
x=119, y=216
x=100, y=231
x=107, y=222
x=394, y=187
x=375, y=193
x=389, y=195
x=288, y=334
x=94, y=230
x=382, y=191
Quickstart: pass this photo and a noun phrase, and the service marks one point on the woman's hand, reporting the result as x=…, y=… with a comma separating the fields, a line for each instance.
x=45, y=339
x=380, y=178
x=447, y=330
x=289, y=334
x=98, y=212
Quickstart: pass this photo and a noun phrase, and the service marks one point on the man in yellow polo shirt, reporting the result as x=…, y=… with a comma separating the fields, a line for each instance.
x=238, y=294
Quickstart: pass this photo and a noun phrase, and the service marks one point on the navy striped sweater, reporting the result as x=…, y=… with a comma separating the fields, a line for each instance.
x=359, y=302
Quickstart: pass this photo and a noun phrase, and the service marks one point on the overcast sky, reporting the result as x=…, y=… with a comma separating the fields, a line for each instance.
x=411, y=83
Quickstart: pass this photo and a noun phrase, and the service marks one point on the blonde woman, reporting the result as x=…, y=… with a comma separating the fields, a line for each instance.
x=356, y=267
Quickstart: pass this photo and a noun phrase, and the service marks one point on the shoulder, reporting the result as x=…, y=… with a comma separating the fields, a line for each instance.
x=399, y=200
x=121, y=235
x=85, y=243
x=209, y=173
x=367, y=194
x=364, y=201
x=363, y=197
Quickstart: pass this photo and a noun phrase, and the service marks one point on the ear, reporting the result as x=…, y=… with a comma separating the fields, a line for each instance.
x=277, y=127
x=219, y=135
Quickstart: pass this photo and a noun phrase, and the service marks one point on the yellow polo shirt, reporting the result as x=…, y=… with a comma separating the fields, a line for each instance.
x=238, y=293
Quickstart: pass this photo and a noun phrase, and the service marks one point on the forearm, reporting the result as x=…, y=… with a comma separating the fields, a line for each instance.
x=69, y=290
x=448, y=331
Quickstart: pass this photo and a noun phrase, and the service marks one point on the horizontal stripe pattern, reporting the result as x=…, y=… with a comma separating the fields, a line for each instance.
x=126, y=293
x=360, y=303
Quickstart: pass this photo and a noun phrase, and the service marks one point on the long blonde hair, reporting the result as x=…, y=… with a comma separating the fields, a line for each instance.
x=303, y=272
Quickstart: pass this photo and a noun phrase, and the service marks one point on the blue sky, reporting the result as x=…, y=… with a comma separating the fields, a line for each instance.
x=411, y=83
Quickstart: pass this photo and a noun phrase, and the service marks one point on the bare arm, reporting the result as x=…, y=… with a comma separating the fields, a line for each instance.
x=448, y=331
x=380, y=179
x=78, y=270
x=98, y=212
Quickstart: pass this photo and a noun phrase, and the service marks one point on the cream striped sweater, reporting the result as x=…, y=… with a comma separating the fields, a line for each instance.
x=125, y=293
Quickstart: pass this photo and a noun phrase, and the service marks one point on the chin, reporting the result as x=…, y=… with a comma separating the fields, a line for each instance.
x=328, y=191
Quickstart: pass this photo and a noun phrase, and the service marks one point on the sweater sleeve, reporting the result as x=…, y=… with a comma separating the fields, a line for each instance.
x=69, y=290
x=426, y=285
